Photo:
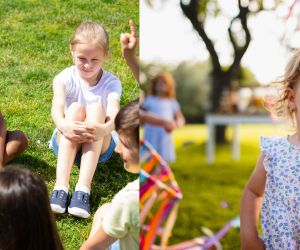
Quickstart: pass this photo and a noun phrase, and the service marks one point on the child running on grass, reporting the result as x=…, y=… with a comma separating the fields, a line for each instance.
x=120, y=218
x=26, y=219
x=12, y=143
x=274, y=186
x=85, y=103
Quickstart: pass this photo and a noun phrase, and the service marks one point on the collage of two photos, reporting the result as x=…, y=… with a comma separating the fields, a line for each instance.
x=227, y=174
x=69, y=125
x=149, y=124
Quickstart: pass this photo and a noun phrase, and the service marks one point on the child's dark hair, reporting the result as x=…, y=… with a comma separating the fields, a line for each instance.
x=26, y=220
x=127, y=122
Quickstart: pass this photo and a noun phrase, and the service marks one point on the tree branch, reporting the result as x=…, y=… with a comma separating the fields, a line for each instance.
x=191, y=12
x=239, y=51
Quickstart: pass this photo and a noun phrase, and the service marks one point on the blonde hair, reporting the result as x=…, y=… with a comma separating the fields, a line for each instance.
x=91, y=32
x=169, y=81
x=278, y=104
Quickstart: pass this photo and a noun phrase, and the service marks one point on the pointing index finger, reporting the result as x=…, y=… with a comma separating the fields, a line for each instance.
x=132, y=28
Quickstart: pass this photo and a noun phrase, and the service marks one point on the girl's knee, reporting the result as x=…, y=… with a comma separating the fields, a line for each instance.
x=98, y=107
x=75, y=112
x=21, y=139
x=95, y=112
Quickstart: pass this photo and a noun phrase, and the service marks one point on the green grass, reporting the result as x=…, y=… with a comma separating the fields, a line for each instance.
x=34, y=47
x=205, y=186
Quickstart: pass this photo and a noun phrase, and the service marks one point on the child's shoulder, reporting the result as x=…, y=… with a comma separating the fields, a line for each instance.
x=129, y=192
x=150, y=97
x=66, y=73
x=267, y=142
x=109, y=77
x=159, y=99
x=128, y=197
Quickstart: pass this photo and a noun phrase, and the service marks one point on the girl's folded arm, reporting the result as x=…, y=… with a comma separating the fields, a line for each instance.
x=179, y=118
x=58, y=104
x=113, y=107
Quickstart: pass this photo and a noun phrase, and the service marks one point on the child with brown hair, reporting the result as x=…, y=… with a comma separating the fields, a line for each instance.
x=85, y=102
x=120, y=218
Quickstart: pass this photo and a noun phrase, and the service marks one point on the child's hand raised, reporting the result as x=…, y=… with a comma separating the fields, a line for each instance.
x=129, y=42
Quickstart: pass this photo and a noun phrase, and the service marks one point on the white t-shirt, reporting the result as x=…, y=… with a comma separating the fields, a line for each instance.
x=109, y=86
x=122, y=219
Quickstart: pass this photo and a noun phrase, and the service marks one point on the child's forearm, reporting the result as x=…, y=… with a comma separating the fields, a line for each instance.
x=112, y=111
x=58, y=118
x=180, y=120
x=108, y=127
x=147, y=117
x=250, y=208
x=3, y=133
x=150, y=118
x=133, y=64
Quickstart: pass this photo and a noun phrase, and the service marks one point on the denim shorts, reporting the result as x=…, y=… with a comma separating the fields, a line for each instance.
x=104, y=157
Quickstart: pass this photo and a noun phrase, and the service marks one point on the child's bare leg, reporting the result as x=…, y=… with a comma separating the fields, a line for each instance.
x=91, y=151
x=79, y=205
x=16, y=143
x=66, y=154
x=67, y=149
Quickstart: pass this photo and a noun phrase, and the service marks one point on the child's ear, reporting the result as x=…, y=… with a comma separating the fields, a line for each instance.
x=291, y=98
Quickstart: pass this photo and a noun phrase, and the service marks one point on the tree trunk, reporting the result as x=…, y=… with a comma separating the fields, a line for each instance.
x=221, y=81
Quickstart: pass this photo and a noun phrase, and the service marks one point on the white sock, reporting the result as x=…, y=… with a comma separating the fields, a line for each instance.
x=61, y=187
x=82, y=188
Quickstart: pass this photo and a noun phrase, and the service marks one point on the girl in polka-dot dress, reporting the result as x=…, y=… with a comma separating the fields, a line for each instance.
x=273, y=190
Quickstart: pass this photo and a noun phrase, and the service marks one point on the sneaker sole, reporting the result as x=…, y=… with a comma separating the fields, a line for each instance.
x=78, y=212
x=57, y=209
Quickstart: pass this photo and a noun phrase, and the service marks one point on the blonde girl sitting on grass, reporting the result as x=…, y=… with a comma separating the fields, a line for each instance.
x=85, y=103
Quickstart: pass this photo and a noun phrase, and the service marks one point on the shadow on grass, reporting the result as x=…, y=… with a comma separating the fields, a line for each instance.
x=73, y=219
x=109, y=178
x=37, y=165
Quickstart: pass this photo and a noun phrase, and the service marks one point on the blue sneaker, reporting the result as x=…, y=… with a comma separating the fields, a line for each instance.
x=80, y=204
x=58, y=201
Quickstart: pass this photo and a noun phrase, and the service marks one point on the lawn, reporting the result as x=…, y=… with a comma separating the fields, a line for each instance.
x=34, y=47
x=206, y=188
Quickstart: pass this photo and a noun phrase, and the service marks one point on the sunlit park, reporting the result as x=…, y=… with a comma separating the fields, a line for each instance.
x=222, y=56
